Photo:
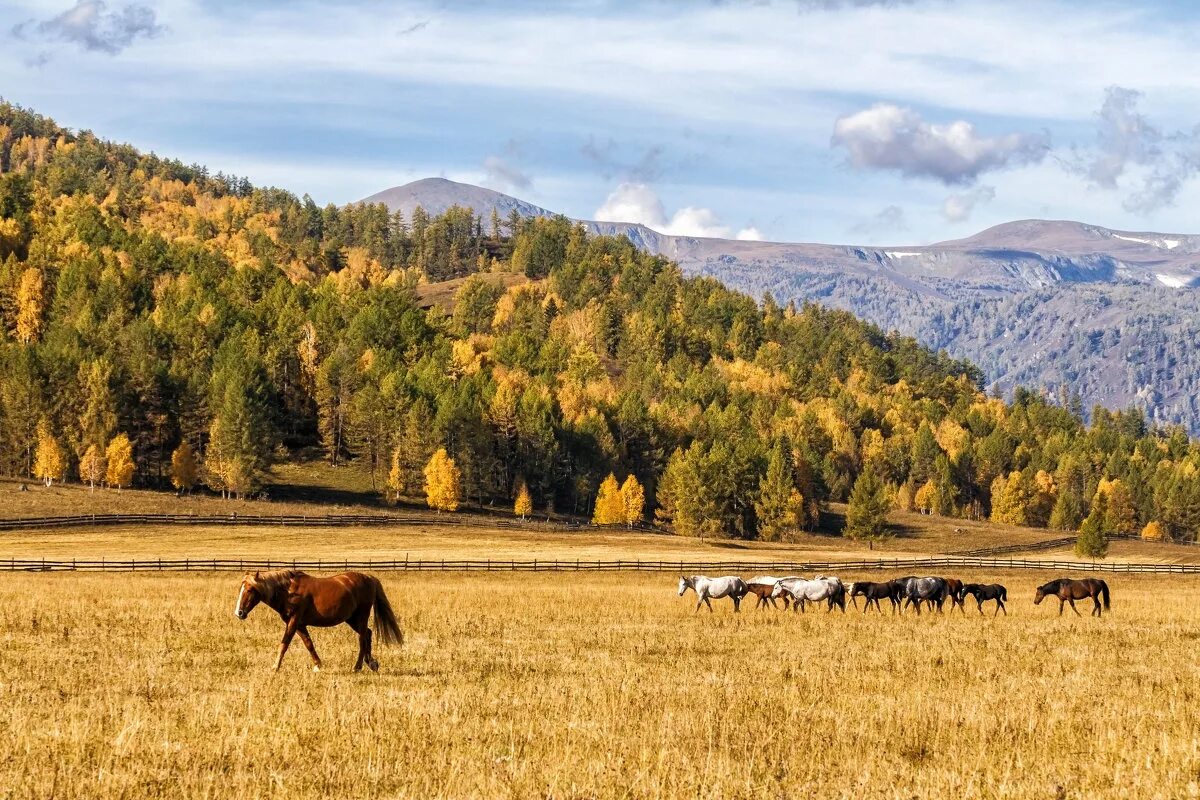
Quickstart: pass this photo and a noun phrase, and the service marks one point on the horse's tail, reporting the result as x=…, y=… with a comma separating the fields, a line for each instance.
x=1004, y=594
x=385, y=619
x=1104, y=593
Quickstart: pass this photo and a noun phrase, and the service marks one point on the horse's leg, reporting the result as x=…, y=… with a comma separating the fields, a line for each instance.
x=312, y=650
x=1071, y=600
x=364, y=644
x=708, y=603
x=1096, y=599
x=288, y=633
x=699, y=601
x=1061, y=603
x=737, y=603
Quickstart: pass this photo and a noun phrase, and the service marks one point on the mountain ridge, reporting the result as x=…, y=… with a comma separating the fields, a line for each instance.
x=1072, y=308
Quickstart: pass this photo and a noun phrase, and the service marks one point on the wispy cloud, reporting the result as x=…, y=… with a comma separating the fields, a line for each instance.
x=415, y=27
x=93, y=27
x=605, y=154
x=888, y=137
x=890, y=219
x=1131, y=149
x=959, y=207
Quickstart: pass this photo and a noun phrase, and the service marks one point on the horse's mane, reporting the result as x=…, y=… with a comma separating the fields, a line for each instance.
x=270, y=584
x=1054, y=585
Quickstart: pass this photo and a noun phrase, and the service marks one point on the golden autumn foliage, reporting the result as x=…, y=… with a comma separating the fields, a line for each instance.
x=31, y=297
x=185, y=470
x=442, y=482
x=119, y=460
x=1154, y=532
x=610, y=508
x=523, y=505
x=92, y=466
x=50, y=461
x=633, y=500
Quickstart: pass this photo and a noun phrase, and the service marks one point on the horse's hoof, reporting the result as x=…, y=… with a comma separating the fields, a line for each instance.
x=316, y=667
x=374, y=665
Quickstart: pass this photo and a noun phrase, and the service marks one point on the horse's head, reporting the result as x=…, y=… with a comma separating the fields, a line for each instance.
x=850, y=587
x=249, y=596
x=684, y=585
x=777, y=590
x=1040, y=594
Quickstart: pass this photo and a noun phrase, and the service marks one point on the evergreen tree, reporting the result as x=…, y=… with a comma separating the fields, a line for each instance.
x=1068, y=511
x=31, y=297
x=866, y=515
x=1092, y=541
x=779, y=505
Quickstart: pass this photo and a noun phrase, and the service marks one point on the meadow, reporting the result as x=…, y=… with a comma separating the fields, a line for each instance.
x=590, y=685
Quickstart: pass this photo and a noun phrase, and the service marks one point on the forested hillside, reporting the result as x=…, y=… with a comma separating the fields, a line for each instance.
x=159, y=321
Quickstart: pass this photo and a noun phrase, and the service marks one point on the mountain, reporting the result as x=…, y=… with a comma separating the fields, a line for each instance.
x=1074, y=309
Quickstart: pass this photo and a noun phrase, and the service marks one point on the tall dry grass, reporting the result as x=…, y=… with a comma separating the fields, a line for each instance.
x=591, y=686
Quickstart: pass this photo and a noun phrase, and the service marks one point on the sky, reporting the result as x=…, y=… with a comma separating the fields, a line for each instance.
x=853, y=121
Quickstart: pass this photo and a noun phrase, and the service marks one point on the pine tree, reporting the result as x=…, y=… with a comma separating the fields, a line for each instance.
x=1093, y=538
x=184, y=468
x=866, y=515
x=442, y=482
x=523, y=505
x=92, y=466
x=610, y=508
x=119, y=460
x=779, y=506
x=633, y=500
x=50, y=461
x=1068, y=511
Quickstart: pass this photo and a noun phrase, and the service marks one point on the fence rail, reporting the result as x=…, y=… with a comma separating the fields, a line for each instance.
x=327, y=520
x=580, y=565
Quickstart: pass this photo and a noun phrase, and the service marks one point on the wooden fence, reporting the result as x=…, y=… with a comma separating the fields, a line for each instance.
x=901, y=565
x=299, y=520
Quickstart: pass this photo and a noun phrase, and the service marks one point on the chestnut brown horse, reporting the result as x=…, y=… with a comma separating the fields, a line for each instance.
x=1068, y=591
x=302, y=600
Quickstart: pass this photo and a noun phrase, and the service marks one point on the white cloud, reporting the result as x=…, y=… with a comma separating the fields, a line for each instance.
x=888, y=137
x=637, y=202
x=749, y=234
x=958, y=207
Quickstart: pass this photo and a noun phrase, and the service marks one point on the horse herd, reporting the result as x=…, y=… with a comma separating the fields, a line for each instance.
x=903, y=593
x=303, y=600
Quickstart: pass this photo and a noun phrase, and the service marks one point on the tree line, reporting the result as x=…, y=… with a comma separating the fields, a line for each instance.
x=215, y=327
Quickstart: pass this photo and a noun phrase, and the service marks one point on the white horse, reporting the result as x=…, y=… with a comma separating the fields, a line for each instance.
x=705, y=588
x=806, y=591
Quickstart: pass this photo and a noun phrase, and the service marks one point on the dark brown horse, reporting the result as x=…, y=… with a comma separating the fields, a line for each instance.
x=302, y=600
x=983, y=592
x=954, y=592
x=1068, y=591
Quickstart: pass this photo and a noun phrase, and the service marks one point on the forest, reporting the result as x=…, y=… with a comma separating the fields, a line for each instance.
x=161, y=325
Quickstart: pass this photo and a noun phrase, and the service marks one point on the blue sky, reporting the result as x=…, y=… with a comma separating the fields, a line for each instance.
x=889, y=121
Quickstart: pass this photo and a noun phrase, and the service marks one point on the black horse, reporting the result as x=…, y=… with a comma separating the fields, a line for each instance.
x=874, y=592
x=982, y=592
x=1068, y=591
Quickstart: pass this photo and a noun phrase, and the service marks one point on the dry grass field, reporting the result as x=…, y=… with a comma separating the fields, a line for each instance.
x=592, y=686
